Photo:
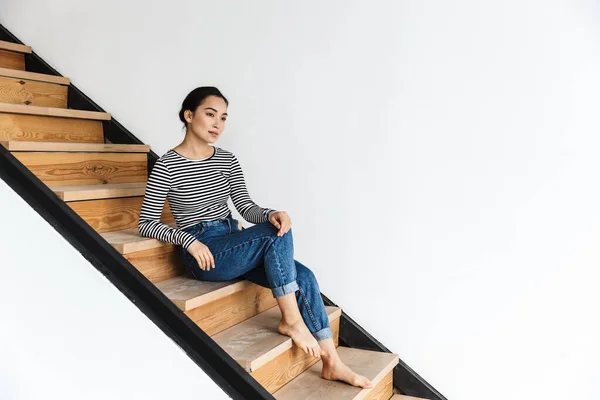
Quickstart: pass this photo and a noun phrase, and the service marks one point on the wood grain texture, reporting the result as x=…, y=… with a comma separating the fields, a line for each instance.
x=114, y=214
x=63, y=168
x=255, y=341
x=93, y=192
x=403, y=397
x=53, y=112
x=129, y=240
x=188, y=294
x=19, y=145
x=158, y=264
x=15, y=47
x=49, y=129
x=372, y=364
x=289, y=364
x=221, y=314
x=383, y=390
x=21, y=91
x=12, y=60
x=34, y=76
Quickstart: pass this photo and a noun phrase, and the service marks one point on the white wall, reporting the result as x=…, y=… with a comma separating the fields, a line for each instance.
x=66, y=332
x=438, y=159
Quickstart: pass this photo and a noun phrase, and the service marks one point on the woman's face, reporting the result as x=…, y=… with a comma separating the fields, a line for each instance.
x=208, y=122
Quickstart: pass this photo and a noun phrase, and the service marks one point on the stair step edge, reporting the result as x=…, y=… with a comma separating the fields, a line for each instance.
x=34, y=76
x=95, y=192
x=21, y=145
x=15, y=47
x=53, y=112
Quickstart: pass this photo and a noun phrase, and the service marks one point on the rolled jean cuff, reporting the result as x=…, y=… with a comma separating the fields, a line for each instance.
x=323, y=334
x=285, y=289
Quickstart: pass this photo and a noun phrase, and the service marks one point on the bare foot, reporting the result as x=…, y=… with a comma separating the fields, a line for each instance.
x=337, y=370
x=300, y=334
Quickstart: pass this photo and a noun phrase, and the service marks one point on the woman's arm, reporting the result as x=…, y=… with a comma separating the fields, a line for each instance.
x=149, y=225
x=249, y=210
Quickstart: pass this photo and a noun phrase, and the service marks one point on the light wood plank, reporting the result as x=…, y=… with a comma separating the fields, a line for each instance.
x=34, y=76
x=289, y=364
x=17, y=48
x=53, y=112
x=69, y=169
x=188, y=294
x=383, y=389
x=34, y=93
x=403, y=397
x=18, y=145
x=129, y=240
x=159, y=264
x=94, y=192
x=255, y=342
x=12, y=60
x=310, y=385
x=225, y=312
x=114, y=214
x=37, y=128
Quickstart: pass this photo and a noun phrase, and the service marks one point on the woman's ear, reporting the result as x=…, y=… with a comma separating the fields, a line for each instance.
x=188, y=116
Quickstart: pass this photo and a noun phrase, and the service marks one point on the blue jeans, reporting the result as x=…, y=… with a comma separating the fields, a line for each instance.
x=260, y=256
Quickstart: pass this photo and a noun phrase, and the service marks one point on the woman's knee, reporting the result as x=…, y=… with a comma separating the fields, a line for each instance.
x=305, y=275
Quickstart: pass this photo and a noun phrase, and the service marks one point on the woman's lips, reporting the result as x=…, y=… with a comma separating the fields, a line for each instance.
x=213, y=133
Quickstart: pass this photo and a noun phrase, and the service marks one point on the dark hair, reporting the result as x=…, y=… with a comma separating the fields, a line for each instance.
x=196, y=97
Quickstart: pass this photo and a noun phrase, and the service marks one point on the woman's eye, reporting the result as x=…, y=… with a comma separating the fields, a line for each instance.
x=224, y=119
x=210, y=114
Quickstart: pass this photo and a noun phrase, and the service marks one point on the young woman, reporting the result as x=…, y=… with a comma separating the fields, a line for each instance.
x=198, y=179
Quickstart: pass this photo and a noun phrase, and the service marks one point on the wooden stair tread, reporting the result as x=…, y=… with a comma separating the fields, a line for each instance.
x=17, y=48
x=403, y=397
x=255, y=341
x=129, y=240
x=34, y=76
x=309, y=384
x=106, y=191
x=53, y=112
x=20, y=145
x=188, y=293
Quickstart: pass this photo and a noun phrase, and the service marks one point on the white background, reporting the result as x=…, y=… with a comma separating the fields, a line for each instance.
x=66, y=332
x=438, y=160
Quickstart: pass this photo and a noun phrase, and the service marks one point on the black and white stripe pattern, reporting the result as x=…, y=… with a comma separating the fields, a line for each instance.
x=197, y=191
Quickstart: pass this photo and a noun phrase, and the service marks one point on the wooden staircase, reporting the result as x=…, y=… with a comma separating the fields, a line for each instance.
x=105, y=185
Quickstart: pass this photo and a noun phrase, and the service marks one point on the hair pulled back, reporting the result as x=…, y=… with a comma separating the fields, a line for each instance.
x=196, y=97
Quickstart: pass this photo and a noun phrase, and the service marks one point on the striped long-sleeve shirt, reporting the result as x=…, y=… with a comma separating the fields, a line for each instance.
x=197, y=191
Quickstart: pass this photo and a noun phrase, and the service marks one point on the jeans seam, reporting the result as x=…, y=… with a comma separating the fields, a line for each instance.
x=312, y=317
x=282, y=276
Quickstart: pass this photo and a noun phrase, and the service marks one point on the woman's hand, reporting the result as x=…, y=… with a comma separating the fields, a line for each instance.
x=282, y=221
x=202, y=254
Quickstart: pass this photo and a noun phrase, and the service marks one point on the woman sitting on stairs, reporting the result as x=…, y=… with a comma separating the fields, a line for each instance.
x=198, y=179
